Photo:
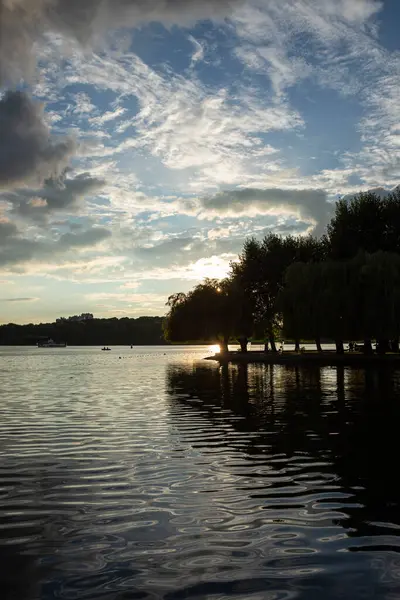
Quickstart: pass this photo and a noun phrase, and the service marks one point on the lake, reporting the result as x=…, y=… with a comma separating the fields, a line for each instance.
x=161, y=475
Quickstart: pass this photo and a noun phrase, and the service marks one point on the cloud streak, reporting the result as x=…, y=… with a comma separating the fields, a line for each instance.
x=27, y=299
x=310, y=205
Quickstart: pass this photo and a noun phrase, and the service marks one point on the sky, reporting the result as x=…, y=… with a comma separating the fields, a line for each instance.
x=142, y=141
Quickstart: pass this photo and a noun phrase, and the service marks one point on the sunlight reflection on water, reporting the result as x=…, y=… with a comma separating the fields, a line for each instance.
x=214, y=349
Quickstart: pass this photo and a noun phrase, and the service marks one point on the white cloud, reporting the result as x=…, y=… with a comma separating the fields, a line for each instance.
x=186, y=124
x=198, y=53
x=83, y=104
x=110, y=115
x=139, y=303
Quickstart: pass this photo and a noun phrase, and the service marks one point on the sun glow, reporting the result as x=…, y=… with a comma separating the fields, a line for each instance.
x=214, y=267
x=214, y=349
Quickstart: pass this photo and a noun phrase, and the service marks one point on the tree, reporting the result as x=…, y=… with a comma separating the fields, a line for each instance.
x=213, y=310
x=300, y=302
x=392, y=218
x=93, y=332
x=352, y=299
x=336, y=301
x=380, y=280
x=366, y=222
x=239, y=311
x=261, y=269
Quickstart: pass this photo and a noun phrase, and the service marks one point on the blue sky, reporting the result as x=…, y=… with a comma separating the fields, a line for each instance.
x=145, y=155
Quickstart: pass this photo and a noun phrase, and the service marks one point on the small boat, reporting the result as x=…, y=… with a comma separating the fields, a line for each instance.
x=106, y=349
x=51, y=344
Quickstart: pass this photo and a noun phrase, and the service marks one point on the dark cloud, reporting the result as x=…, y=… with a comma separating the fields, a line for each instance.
x=55, y=196
x=379, y=191
x=286, y=228
x=16, y=249
x=7, y=230
x=90, y=237
x=22, y=22
x=28, y=152
x=310, y=205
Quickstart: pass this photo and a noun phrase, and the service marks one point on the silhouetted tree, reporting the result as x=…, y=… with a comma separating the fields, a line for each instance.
x=261, y=269
x=143, y=330
x=300, y=302
x=213, y=310
x=366, y=222
x=380, y=280
x=352, y=299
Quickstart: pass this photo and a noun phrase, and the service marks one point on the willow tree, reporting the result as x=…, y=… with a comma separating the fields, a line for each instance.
x=347, y=299
x=261, y=269
x=320, y=300
x=380, y=282
x=300, y=302
x=178, y=325
x=239, y=311
x=213, y=310
x=336, y=301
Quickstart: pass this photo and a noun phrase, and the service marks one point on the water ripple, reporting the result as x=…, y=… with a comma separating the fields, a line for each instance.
x=162, y=476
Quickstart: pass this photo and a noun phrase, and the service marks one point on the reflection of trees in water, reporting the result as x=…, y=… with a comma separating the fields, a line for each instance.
x=18, y=574
x=271, y=399
x=346, y=420
x=366, y=460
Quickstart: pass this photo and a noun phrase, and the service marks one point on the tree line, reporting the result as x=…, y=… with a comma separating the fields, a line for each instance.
x=114, y=331
x=342, y=286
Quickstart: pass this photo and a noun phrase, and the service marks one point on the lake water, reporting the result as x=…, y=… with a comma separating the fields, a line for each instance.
x=159, y=475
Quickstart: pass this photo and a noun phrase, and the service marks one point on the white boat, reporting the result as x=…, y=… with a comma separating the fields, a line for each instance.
x=51, y=344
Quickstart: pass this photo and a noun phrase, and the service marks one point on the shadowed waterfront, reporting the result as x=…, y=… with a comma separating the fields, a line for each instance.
x=320, y=450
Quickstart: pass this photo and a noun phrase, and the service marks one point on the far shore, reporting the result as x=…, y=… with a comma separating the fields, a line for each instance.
x=325, y=358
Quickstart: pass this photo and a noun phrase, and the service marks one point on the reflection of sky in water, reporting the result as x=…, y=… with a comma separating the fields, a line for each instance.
x=160, y=475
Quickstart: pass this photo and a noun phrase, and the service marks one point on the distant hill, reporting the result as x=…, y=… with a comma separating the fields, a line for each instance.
x=93, y=332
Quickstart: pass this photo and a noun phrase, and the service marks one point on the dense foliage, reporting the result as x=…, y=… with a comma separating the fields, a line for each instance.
x=343, y=286
x=213, y=310
x=144, y=330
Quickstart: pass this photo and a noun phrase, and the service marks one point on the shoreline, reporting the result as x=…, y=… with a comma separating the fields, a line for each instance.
x=327, y=358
